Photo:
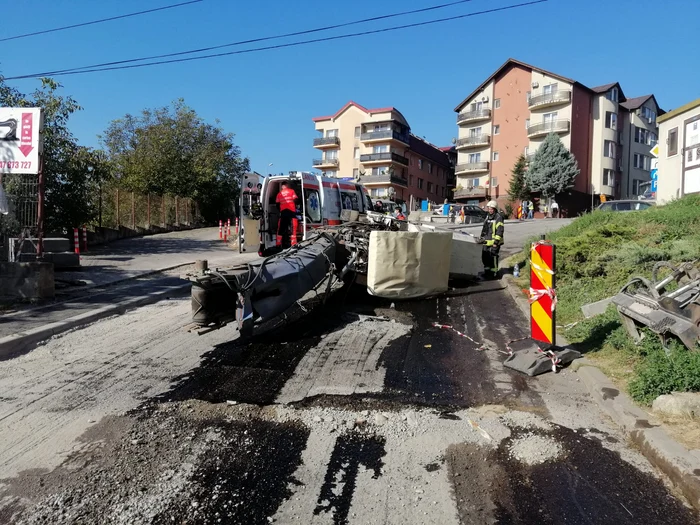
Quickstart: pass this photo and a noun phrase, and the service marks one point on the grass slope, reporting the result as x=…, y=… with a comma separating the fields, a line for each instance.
x=596, y=255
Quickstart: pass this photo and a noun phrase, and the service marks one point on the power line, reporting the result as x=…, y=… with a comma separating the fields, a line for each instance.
x=261, y=39
x=45, y=31
x=291, y=44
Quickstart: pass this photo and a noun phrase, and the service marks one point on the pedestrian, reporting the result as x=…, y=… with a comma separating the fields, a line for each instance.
x=530, y=210
x=555, y=209
x=286, y=199
x=546, y=210
x=461, y=215
x=492, y=239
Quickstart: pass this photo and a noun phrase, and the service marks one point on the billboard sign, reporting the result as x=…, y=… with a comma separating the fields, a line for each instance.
x=20, y=142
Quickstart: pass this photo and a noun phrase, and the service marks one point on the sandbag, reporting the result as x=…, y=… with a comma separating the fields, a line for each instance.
x=406, y=265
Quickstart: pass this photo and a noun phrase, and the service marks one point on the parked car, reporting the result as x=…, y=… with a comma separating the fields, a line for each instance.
x=626, y=205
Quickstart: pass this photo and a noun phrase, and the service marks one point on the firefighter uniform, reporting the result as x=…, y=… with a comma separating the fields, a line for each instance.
x=492, y=239
x=288, y=214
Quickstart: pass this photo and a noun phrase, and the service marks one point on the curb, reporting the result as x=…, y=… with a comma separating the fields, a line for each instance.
x=21, y=342
x=679, y=465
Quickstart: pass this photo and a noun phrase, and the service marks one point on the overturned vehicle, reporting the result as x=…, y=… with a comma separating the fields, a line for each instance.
x=338, y=240
x=668, y=306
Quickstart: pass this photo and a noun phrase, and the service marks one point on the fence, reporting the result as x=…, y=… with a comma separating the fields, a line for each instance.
x=119, y=208
x=22, y=193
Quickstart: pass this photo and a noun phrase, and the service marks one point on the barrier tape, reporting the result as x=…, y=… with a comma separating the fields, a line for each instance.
x=461, y=334
x=536, y=295
x=556, y=362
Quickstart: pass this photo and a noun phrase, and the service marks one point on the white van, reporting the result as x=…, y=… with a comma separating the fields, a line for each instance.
x=322, y=202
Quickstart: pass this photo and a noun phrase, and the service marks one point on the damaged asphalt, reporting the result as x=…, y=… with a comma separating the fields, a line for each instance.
x=340, y=418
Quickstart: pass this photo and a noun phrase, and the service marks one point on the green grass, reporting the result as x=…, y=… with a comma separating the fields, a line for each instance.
x=596, y=255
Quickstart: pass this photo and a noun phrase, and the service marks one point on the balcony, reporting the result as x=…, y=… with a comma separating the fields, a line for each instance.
x=325, y=163
x=472, y=167
x=471, y=192
x=326, y=142
x=473, y=142
x=384, y=136
x=383, y=158
x=466, y=117
x=545, y=128
x=545, y=100
x=384, y=179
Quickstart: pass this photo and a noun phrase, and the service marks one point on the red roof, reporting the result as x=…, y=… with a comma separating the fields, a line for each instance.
x=358, y=106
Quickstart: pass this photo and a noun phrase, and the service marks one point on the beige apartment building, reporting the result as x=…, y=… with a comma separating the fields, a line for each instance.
x=513, y=111
x=679, y=153
x=376, y=147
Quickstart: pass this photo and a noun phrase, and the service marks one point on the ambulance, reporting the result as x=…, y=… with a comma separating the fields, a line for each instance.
x=322, y=202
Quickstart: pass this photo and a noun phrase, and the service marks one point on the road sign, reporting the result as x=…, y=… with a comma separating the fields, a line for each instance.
x=655, y=151
x=654, y=185
x=542, y=294
x=654, y=174
x=20, y=141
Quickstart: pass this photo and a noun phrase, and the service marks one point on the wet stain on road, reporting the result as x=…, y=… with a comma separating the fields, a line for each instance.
x=351, y=450
x=587, y=485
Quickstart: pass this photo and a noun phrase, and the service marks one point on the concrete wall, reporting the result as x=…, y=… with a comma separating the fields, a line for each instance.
x=26, y=280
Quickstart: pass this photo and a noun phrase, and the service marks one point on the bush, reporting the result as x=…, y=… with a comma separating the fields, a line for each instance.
x=662, y=374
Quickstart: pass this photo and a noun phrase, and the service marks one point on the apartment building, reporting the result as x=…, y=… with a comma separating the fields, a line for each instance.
x=513, y=111
x=376, y=147
x=679, y=153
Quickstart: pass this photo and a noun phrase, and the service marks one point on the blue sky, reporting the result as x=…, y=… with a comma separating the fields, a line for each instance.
x=268, y=98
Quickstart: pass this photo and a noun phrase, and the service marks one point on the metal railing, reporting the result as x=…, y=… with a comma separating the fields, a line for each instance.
x=472, y=166
x=556, y=97
x=378, y=179
x=476, y=191
x=385, y=156
x=473, y=141
x=385, y=135
x=477, y=114
x=552, y=126
x=325, y=162
x=326, y=141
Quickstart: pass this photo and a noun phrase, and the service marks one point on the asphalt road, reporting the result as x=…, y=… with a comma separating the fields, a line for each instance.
x=360, y=413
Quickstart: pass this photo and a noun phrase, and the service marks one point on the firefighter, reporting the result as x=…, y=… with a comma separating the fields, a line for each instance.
x=492, y=239
x=286, y=199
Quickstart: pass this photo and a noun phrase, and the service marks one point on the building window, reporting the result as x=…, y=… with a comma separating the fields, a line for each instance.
x=643, y=136
x=331, y=154
x=527, y=123
x=494, y=182
x=495, y=156
x=642, y=162
x=636, y=186
x=384, y=148
x=331, y=133
x=380, y=171
x=355, y=173
x=473, y=183
x=331, y=174
x=690, y=155
x=496, y=129
x=549, y=89
x=430, y=187
x=612, y=95
x=528, y=95
x=410, y=180
x=474, y=158
x=420, y=164
x=475, y=132
x=672, y=142
x=608, y=178
x=648, y=114
x=610, y=120
x=430, y=168
x=609, y=149
x=358, y=130
x=356, y=153
x=497, y=103
x=420, y=183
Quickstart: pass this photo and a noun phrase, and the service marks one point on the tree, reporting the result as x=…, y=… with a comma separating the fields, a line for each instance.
x=172, y=151
x=553, y=168
x=517, y=190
